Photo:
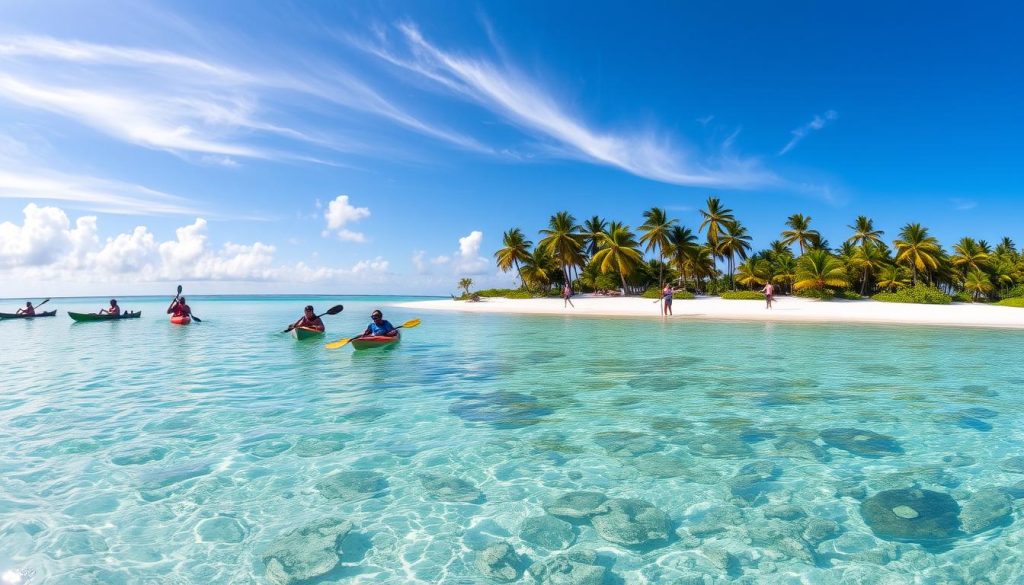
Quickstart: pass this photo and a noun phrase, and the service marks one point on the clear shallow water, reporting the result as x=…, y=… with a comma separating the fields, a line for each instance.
x=138, y=452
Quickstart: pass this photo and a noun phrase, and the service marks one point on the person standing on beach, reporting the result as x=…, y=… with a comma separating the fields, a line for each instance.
x=666, y=300
x=567, y=296
x=769, y=293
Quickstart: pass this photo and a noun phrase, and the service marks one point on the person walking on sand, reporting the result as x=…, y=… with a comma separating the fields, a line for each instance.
x=769, y=293
x=567, y=296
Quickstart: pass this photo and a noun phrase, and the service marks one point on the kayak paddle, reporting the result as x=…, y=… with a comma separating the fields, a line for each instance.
x=332, y=311
x=194, y=318
x=41, y=304
x=345, y=341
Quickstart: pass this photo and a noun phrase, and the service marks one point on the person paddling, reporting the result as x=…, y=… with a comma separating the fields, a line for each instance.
x=309, y=320
x=379, y=327
x=28, y=311
x=179, y=308
x=113, y=310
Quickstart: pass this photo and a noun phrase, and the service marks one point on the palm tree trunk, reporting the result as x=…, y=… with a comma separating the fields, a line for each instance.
x=864, y=283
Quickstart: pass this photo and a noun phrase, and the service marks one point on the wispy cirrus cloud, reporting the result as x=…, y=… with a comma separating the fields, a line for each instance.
x=502, y=89
x=962, y=204
x=189, y=105
x=816, y=123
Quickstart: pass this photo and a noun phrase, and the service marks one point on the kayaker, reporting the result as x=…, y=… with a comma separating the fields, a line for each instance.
x=379, y=327
x=179, y=308
x=29, y=310
x=309, y=320
x=113, y=310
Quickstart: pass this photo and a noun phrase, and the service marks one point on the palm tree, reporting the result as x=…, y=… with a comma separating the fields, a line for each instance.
x=654, y=234
x=564, y=241
x=756, y=271
x=892, y=277
x=465, y=283
x=591, y=228
x=864, y=232
x=869, y=258
x=785, y=270
x=619, y=252
x=817, y=270
x=681, y=249
x=778, y=248
x=515, y=251
x=800, y=232
x=977, y=283
x=715, y=218
x=734, y=243
x=916, y=249
x=969, y=256
x=702, y=264
x=537, y=269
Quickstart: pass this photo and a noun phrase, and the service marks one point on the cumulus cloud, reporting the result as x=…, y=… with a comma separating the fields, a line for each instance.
x=469, y=260
x=340, y=213
x=46, y=245
x=419, y=262
x=817, y=123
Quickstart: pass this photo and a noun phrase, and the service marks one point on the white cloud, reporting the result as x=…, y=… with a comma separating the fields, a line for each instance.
x=439, y=260
x=21, y=181
x=817, y=123
x=505, y=91
x=193, y=105
x=46, y=246
x=961, y=204
x=339, y=213
x=469, y=260
x=378, y=264
x=419, y=262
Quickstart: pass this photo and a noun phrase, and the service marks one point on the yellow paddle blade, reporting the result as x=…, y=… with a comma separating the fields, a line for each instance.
x=411, y=324
x=339, y=343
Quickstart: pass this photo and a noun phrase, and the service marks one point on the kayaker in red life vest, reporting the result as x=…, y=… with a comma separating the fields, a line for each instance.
x=113, y=310
x=379, y=327
x=28, y=310
x=179, y=308
x=309, y=320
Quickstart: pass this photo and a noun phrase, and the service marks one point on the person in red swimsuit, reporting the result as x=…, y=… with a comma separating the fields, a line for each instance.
x=179, y=308
x=28, y=310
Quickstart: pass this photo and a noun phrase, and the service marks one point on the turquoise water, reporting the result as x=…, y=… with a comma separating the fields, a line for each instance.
x=138, y=452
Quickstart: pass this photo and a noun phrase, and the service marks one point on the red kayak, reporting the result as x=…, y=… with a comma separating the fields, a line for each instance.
x=181, y=320
x=371, y=341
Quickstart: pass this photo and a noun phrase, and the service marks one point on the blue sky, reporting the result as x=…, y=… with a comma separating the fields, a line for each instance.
x=383, y=147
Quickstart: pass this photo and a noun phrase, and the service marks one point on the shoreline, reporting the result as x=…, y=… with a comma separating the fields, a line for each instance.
x=785, y=310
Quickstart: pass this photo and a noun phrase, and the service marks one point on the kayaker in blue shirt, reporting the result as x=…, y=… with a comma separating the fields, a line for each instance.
x=379, y=327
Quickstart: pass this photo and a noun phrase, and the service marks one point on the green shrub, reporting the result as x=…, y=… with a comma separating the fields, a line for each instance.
x=849, y=295
x=963, y=297
x=823, y=294
x=742, y=295
x=655, y=293
x=1014, y=302
x=1015, y=292
x=922, y=294
x=497, y=292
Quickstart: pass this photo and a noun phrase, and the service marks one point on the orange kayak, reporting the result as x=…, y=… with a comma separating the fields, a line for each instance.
x=181, y=320
x=372, y=341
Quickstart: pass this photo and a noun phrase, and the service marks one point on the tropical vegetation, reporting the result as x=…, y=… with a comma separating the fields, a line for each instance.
x=717, y=256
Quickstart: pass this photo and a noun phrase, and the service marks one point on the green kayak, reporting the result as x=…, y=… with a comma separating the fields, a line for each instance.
x=16, y=316
x=86, y=317
x=301, y=333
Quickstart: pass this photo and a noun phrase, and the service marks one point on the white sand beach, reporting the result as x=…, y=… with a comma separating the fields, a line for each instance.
x=786, y=309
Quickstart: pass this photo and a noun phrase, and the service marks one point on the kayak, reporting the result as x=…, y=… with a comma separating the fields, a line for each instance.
x=181, y=320
x=301, y=333
x=16, y=316
x=86, y=317
x=371, y=341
